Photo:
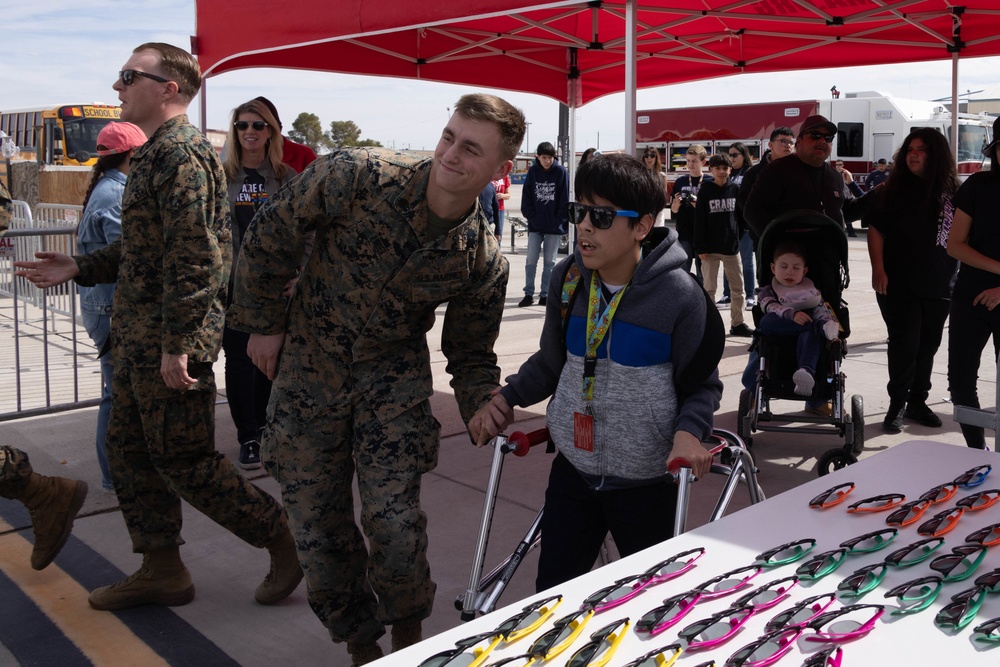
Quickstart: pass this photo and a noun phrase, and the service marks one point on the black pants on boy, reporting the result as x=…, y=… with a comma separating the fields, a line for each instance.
x=577, y=519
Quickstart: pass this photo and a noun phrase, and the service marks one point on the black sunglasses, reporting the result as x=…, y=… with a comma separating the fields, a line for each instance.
x=128, y=76
x=242, y=125
x=601, y=217
x=816, y=136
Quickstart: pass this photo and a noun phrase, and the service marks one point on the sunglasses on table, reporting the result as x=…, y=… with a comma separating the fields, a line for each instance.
x=869, y=542
x=878, y=503
x=916, y=595
x=801, y=612
x=820, y=565
x=960, y=563
x=863, y=580
x=529, y=619
x=601, y=217
x=766, y=650
x=832, y=496
x=767, y=595
x=987, y=631
x=973, y=476
x=908, y=513
x=827, y=657
x=914, y=553
x=987, y=536
x=715, y=630
x=728, y=582
x=846, y=623
x=562, y=635
x=786, y=553
x=941, y=523
x=468, y=652
x=242, y=125
x=979, y=501
x=665, y=656
x=602, y=646
x=127, y=76
x=665, y=616
x=962, y=609
x=940, y=493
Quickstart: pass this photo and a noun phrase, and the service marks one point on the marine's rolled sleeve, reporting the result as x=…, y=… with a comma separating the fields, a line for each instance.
x=100, y=266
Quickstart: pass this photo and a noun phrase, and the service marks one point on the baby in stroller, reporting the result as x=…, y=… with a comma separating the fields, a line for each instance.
x=792, y=305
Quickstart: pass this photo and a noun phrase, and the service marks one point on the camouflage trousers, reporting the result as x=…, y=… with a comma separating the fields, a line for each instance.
x=314, y=454
x=15, y=469
x=161, y=448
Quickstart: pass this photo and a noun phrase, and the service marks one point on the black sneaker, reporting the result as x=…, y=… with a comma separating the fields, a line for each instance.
x=526, y=301
x=723, y=301
x=893, y=422
x=741, y=330
x=920, y=413
x=249, y=455
x=542, y=300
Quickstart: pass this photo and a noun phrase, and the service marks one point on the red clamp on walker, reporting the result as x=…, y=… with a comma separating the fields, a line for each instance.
x=520, y=443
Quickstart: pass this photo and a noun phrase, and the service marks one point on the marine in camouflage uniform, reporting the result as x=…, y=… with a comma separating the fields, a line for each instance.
x=172, y=267
x=351, y=392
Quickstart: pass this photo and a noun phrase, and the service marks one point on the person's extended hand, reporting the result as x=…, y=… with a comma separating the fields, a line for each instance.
x=491, y=419
x=801, y=317
x=173, y=369
x=989, y=298
x=264, y=351
x=54, y=268
x=689, y=448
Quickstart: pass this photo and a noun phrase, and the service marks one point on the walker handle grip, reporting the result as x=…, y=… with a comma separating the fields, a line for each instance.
x=679, y=463
x=520, y=443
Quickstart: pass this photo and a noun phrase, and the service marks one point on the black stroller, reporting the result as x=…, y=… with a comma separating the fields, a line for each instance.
x=825, y=245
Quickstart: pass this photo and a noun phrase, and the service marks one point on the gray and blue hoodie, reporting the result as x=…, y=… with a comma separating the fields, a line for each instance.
x=657, y=370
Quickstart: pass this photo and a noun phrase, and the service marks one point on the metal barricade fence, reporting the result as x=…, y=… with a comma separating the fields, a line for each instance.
x=45, y=353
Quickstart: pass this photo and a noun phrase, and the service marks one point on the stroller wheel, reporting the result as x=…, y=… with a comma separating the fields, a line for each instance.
x=858, y=423
x=743, y=418
x=834, y=459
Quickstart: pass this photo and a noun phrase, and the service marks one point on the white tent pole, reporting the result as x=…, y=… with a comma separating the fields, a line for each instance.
x=954, y=105
x=630, y=76
x=203, y=106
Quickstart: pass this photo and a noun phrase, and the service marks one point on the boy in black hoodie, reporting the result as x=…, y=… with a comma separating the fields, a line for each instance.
x=717, y=238
x=543, y=204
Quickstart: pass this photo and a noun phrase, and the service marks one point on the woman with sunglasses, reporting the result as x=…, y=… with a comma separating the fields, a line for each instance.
x=975, y=242
x=254, y=170
x=912, y=274
x=651, y=158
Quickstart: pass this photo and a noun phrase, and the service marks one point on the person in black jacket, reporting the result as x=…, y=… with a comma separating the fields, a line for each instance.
x=543, y=203
x=682, y=202
x=717, y=240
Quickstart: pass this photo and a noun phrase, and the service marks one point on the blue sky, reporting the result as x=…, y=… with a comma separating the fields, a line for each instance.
x=59, y=52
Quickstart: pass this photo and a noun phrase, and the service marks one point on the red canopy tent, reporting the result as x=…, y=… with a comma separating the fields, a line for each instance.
x=575, y=52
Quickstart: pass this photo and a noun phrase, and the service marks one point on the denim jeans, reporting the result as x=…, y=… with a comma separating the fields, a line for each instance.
x=501, y=216
x=746, y=255
x=535, y=244
x=98, y=328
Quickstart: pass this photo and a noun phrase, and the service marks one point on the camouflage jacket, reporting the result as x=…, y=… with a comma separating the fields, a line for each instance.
x=173, y=259
x=367, y=296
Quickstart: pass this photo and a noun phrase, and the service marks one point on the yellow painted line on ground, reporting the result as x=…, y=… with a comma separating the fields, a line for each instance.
x=101, y=637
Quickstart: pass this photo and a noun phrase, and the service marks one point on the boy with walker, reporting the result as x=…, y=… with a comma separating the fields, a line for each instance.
x=637, y=353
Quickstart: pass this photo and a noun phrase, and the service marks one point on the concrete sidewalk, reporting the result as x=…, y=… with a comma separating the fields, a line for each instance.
x=225, y=618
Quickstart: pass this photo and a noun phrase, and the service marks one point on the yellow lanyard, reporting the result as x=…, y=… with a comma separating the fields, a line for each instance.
x=597, y=328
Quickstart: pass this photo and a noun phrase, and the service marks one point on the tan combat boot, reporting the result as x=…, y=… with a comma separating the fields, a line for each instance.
x=364, y=652
x=285, y=573
x=162, y=580
x=406, y=633
x=53, y=503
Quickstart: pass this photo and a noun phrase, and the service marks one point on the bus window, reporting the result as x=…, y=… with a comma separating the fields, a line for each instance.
x=850, y=140
x=971, y=140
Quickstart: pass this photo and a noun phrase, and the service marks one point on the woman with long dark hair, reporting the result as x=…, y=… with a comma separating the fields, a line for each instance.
x=975, y=242
x=912, y=274
x=100, y=225
x=254, y=171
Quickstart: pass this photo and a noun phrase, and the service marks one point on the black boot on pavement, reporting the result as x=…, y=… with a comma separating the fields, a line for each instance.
x=893, y=422
x=920, y=413
x=161, y=580
x=526, y=301
x=406, y=633
x=285, y=573
x=364, y=652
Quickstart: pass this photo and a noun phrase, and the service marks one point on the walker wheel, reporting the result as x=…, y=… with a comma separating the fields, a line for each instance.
x=834, y=459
